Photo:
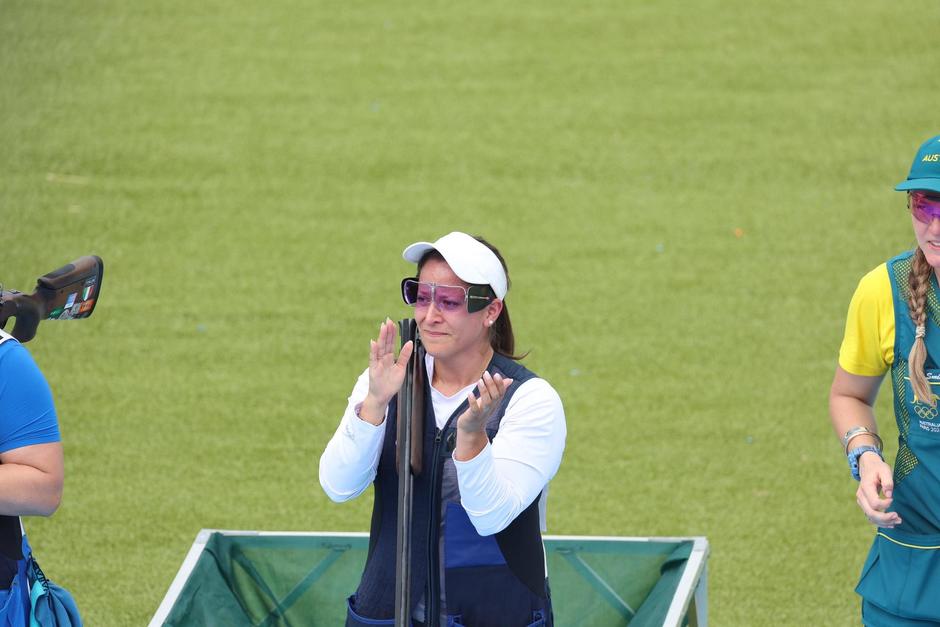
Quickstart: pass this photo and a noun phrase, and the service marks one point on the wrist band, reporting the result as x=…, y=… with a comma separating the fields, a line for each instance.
x=854, y=432
x=855, y=453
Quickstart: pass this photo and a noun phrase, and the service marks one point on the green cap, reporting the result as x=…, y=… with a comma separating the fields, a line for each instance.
x=925, y=171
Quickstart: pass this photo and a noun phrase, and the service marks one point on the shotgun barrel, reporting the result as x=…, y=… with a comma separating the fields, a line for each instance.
x=417, y=407
x=403, y=458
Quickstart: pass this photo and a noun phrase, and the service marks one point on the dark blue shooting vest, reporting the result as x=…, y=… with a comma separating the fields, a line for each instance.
x=465, y=579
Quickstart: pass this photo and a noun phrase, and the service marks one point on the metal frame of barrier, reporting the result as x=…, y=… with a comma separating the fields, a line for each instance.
x=690, y=599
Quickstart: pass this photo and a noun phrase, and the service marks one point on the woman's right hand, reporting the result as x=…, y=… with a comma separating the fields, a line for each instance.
x=386, y=374
x=876, y=479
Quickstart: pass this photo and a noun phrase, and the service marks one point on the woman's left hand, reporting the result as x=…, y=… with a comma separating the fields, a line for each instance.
x=481, y=408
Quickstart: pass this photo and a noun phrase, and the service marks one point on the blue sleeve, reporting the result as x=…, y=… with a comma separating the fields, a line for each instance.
x=27, y=414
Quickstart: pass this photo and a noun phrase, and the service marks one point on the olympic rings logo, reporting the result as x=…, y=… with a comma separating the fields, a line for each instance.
x=927, y=412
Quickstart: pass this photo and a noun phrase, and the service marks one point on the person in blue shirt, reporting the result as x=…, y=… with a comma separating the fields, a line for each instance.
x=31, y=463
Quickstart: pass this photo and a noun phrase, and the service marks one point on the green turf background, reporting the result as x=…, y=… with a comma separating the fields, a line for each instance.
x=251, y=171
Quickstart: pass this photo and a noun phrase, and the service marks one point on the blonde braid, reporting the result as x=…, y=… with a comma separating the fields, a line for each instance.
x=919, y=282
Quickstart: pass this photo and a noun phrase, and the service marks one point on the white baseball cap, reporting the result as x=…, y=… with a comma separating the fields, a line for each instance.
x=470, y=260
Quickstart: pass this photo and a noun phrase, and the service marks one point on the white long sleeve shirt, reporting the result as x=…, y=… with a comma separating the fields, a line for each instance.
x=496, y=485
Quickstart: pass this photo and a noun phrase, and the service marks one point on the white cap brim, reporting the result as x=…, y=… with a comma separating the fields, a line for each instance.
x=470, y=260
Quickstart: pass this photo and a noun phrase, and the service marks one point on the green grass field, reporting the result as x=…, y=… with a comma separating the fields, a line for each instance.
x=686, y=194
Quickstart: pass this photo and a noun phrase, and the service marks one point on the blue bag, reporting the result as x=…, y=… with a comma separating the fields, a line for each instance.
x=34, y=601
x=50, y=605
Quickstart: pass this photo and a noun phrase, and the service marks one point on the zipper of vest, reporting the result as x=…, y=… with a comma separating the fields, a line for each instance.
x=432, y=606
x=433, y=589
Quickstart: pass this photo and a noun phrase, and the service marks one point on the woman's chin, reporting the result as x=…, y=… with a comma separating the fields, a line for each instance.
x=931, y=254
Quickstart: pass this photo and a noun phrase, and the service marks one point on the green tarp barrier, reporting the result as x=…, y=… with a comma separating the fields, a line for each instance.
x=294, y=580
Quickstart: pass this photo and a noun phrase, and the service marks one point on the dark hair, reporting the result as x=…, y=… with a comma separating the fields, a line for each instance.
x=502, y=338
